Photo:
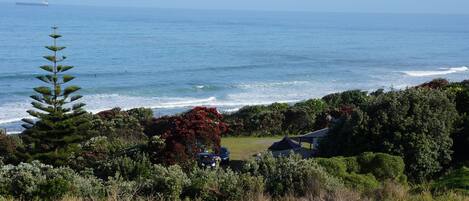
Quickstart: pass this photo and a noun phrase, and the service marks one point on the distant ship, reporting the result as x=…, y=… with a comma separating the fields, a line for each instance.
x=44, y=3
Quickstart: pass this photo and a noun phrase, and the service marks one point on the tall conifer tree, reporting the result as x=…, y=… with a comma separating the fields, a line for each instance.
x=55, y=108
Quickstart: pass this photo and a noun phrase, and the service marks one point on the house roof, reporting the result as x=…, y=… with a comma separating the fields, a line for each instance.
x=285, y=144
x=312, y=135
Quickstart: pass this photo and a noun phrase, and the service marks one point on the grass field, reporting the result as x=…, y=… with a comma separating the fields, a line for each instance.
x=242, y=148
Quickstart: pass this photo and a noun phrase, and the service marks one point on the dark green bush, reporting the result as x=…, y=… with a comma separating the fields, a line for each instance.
x=457, y=180
x=415, y=124
x=335, y=166
x=276, y=119
x=223, y=185
x=116, y=123
x=129, y=168
x=9, y=146
x=166, y=182
x=35, y=180
x=143, y=115
x=291, y=175
x=257, y=120
x=382, y=166
x=365, y=171
x=361, y=182
x=346, y=98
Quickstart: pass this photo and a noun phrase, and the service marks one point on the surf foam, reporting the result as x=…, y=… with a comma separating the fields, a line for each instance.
x=442, y=71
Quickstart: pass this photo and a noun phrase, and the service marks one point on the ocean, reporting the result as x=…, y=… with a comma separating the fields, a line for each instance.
x=173, y=59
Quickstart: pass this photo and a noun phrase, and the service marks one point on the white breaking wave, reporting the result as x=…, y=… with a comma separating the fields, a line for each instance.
x=14, y=112
x=258, y=85
x=442, y=71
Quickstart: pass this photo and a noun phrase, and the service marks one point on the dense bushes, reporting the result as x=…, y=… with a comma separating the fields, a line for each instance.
x=291, y=175
x=10, y=149
x=276, y=119
x=366, y=171
x=221, y=184
x=346, y=98
x=185, y=135
x=456, y=180
x=36, y=180
x=31, y=181
x=460, y=94
x=414, y=123
x=125, y=125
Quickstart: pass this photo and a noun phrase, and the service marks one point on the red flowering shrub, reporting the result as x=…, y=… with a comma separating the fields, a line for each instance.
x=188, y=134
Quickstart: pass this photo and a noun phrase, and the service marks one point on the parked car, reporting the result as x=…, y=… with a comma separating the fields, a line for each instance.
x=207, y=160
x=212, y=160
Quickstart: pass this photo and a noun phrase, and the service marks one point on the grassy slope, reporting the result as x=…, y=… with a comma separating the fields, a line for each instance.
x=242, y=148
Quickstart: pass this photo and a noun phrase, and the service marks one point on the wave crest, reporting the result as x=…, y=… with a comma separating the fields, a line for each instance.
x=442, y=71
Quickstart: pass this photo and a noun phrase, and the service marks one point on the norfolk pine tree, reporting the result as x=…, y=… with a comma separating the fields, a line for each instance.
x=58, y=116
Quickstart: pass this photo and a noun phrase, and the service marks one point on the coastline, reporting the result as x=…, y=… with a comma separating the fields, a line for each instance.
x=13, y=126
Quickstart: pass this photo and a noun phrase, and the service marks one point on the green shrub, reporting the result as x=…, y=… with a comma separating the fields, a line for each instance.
x=166, y=182
x=129, y=168
x=222, y=184
x=335, y=166
x=9, y=145
x=121, y=189
x=415, y=124
x=119, y=124
x=360, y=182
x=346, y=98
x=291, y=175
x=382, y=166
x=457, y=180
x=141, y=114
x=365, y=171
x=35, y=180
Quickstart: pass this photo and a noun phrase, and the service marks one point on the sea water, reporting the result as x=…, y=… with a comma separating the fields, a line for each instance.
x=174, y=59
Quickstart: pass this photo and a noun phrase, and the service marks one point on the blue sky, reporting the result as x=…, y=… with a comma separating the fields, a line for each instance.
x=380, y=6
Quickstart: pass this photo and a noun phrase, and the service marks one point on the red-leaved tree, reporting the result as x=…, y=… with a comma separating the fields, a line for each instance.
x=185, y=135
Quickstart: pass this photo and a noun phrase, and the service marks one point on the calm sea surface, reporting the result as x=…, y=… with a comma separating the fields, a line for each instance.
x=170, y=59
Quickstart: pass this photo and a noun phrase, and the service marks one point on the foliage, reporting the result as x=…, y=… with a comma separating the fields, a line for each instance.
x=116, y=123
x=220, y=184
x=456, y=180
x=460, y=92
x=186, y=135
x=365, y=171
x=461, y=141
x=36, y=180
x=11, y=147
x=58, y=125
x=414, y=123
x=258, y=119
x=167, y=182
x=276, y=119
x=346, y=98
x=143, y=115
x=128, y=168
x=291, y=175
x=382, y=166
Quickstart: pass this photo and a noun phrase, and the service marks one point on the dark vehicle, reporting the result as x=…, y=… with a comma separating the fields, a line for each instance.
x=224, y=156
x=207, y=160
x=211, y=160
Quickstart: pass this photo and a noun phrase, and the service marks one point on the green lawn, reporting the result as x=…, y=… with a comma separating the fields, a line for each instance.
x=242, y=148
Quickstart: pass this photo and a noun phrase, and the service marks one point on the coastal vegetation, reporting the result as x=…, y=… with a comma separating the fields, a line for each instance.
x=408, y=144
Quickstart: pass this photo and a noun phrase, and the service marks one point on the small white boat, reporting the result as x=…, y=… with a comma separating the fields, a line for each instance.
x=44, y=3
